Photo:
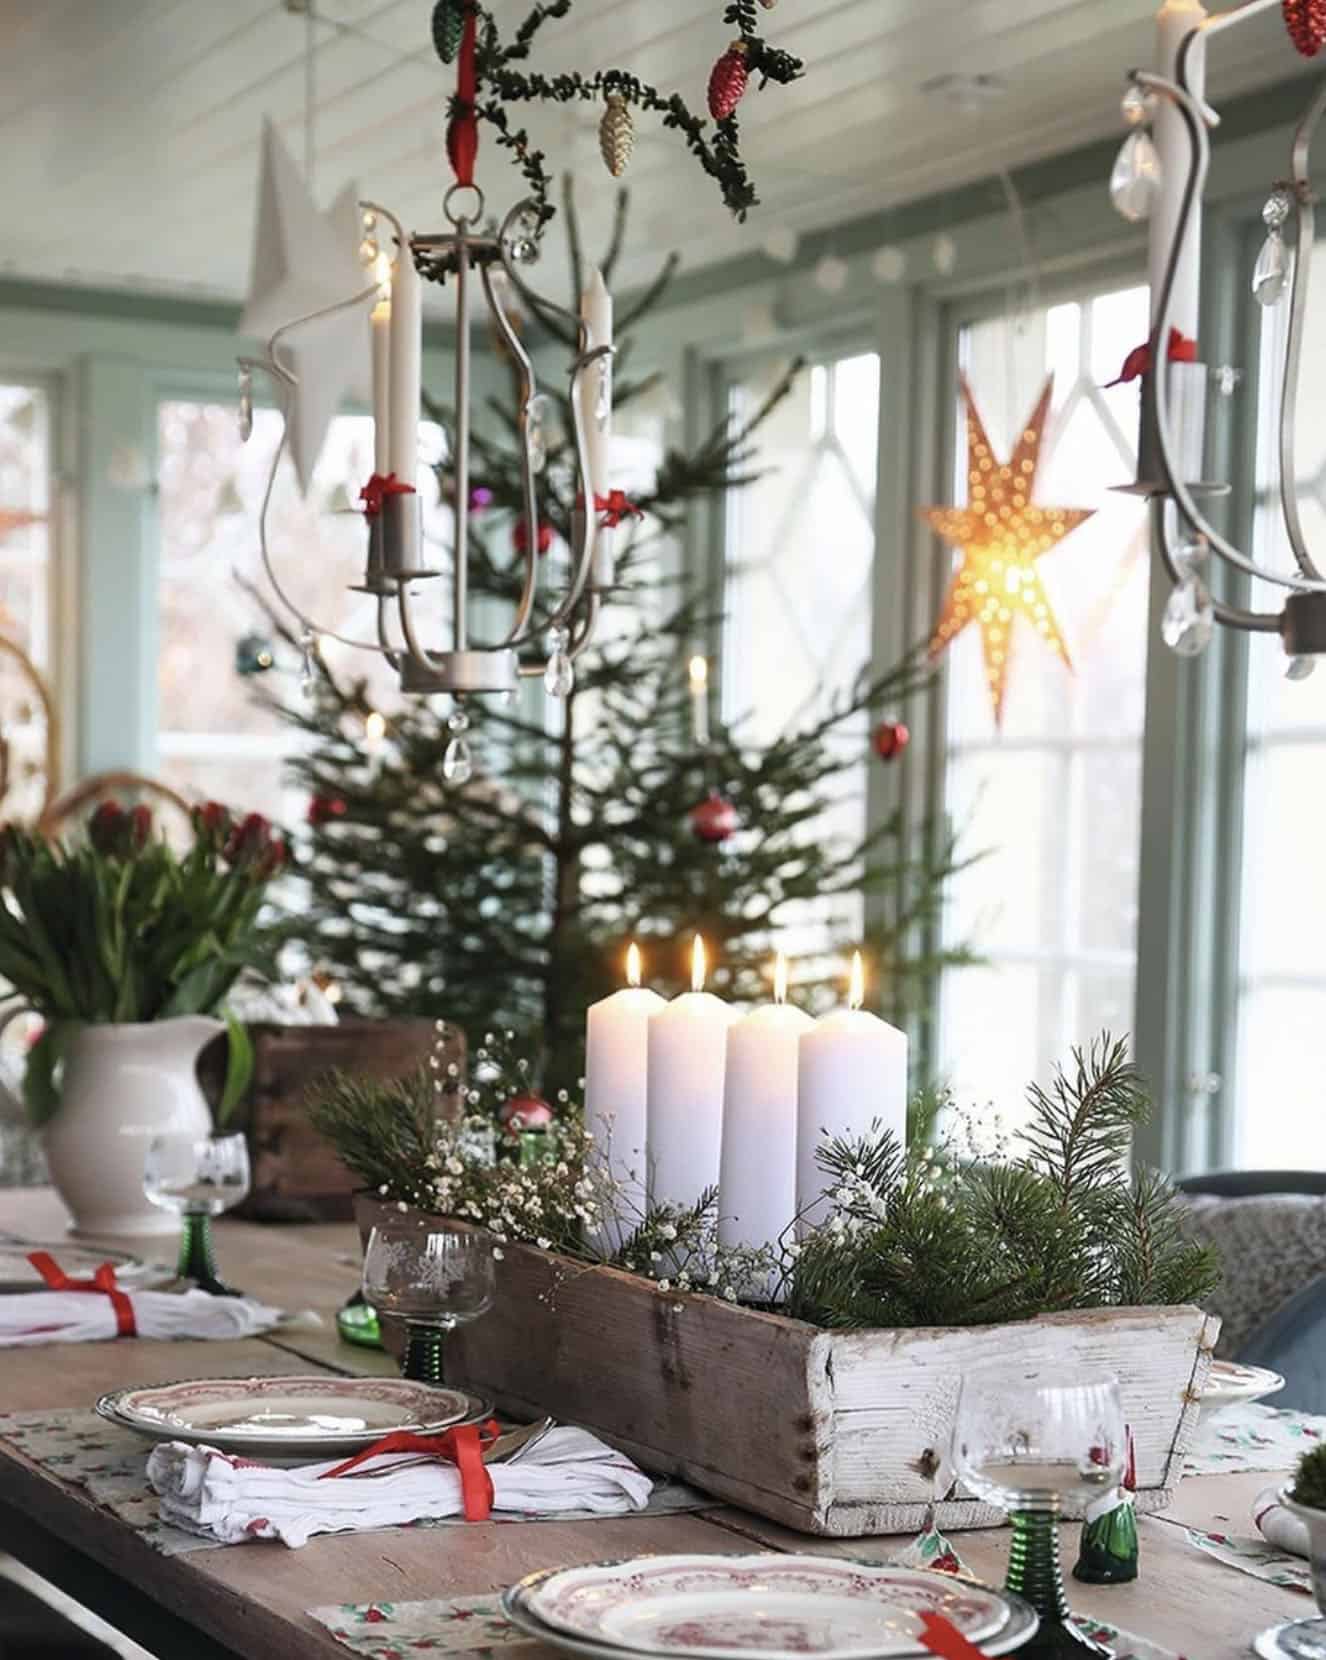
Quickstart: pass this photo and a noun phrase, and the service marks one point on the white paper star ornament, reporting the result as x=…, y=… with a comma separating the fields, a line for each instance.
x=302, y=261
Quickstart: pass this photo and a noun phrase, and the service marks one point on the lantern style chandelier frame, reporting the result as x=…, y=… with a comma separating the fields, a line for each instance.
x=1168, y=182
x=395, y=560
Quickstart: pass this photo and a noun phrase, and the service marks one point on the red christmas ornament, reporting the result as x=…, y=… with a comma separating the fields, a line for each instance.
x=715, y=819
x=520, y=537
x=728, y=80
x=533, y=1112
x=890, y=738
x=322, y=809
x=1306, y=23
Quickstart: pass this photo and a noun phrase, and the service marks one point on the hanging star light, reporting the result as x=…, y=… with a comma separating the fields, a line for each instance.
x=304, y=259
x=1000, y=535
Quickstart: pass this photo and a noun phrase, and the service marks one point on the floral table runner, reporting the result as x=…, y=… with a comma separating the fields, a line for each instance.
x=110, y=1464
x=1251, y=1437
x=398, y=1630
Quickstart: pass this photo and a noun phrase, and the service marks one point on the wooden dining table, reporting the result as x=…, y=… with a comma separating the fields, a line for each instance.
x=251, y=1599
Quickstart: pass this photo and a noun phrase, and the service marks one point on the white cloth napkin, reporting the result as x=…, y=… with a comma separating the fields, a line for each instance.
x=1278, y=1526
x=87, y=1316
x=232, y=1499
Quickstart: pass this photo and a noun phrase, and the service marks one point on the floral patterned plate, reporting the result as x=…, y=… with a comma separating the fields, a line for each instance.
x=297, y=1419
x=773, y=1606
x=1228, y=1382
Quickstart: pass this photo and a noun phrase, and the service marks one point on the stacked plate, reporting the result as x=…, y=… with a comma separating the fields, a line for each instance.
x=1228, y=1383
x=288, y=1420
x=770, y=1606
x=78, y=1261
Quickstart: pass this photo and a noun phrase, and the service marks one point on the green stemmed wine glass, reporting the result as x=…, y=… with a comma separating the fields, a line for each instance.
x=432, y=1278
x=198, y=1177
x=1026, y=1445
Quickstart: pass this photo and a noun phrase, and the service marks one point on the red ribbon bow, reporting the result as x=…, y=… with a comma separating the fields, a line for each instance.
x=615, y=507
x=942, y=1637
x=463, y=128
x=462, y=1446
x=378, y=488
x=1138, y=361
x=102, y=1281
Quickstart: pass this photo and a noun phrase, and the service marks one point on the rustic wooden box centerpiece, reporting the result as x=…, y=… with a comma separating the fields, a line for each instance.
x=829, y=1432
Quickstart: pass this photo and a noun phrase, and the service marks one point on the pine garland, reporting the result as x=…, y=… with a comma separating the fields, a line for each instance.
x=501, y=84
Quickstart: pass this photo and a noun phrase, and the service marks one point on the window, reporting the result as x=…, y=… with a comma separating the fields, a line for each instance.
x=1056, y=795
x=26, y=580
x=800, y=547
x=217, y=736
x=1282, y=978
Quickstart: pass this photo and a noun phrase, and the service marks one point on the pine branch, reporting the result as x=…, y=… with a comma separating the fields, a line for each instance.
x=1081, y=1128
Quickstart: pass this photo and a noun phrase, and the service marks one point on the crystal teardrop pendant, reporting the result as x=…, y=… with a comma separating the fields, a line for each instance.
x=1271, y=271
x=1136, y=177
x=1189, y=618
x=559, y=677
x=308, y=641
x=457, y=762
x=1299, y=668
x=536, y=439
x=1135, y=106
x=245, y=406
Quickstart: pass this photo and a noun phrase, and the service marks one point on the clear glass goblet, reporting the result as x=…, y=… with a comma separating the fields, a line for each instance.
x=432, y=1278
x=198, y=1178
x=1026, y=1445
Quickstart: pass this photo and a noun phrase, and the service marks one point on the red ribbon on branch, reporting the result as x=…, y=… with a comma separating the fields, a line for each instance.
x=378, y=488
x=463, y=128
x=615, y=507
x=1138, y=361
x=463, y=1446
x=103, y=1282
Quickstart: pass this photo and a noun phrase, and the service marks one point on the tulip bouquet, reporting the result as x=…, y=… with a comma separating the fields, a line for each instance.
x=118, y=926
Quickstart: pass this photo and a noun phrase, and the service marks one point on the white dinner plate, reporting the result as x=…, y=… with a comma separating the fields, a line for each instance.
x=774, y=1606
x=80, y=1262
x=291, y=1419
x=1018, y=1617
x=1229, y=1382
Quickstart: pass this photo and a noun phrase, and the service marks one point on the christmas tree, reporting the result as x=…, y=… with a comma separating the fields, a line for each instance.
x=599, y=817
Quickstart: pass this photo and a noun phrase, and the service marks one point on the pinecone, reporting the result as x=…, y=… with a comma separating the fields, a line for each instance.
x=728, y=80
x=448, y=27
x=1306, y=23
x=616, y=135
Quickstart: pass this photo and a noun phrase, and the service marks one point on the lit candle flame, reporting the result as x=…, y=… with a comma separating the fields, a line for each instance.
x=697, y=965
x=780, y=978
x=633, y=964
x=382, y=276
x=699, y=673
x=856, y=985
x=375, y=729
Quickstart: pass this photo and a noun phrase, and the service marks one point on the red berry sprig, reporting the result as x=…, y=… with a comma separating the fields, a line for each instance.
x=1306, y=22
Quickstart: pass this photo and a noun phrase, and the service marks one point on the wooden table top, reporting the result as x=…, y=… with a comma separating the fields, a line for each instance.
x=250, y=1599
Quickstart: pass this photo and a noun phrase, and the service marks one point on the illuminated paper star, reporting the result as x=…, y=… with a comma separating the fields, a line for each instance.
x=303, y=260
x=1000, y=536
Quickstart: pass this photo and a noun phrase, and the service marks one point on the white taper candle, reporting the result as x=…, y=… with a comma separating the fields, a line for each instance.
x=687, y=1057
x=616, y=1083
x=406, y=351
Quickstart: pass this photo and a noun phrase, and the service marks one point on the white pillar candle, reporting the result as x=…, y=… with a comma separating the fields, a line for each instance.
x=851, y=1073
x=594, y=398
x=616, y=1081
x=380, y=323
x=757, y=1184
x=687, y=1056
x=1174, y=22
x=406, y=336
x=699, y=671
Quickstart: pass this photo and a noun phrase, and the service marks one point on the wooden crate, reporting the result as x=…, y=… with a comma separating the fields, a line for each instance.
x=839, y=1433
x=297, y=1177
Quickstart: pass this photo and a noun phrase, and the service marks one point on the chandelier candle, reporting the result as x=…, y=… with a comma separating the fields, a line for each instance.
x=406, y=316
x=757, y=1180
x=1174, y=23
x=616, y=1077
x=594, y=394
x=687, y=1057
x=380, y=322
x=851, y=1072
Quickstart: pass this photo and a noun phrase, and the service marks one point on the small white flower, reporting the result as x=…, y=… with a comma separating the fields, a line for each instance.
x=656, y=1256
x=497, y=1254
x=665, y=1285
x=543, y=1244
x=401, y=1205
x=729, y=1294
x=383, y=1190
x=668, y=1231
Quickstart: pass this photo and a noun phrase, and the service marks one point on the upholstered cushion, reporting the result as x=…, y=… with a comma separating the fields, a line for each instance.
x=1269, y=1247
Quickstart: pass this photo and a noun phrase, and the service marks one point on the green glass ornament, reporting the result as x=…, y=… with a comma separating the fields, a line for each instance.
x=448, y=27
x=253, y=655
x=1108, y=1552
